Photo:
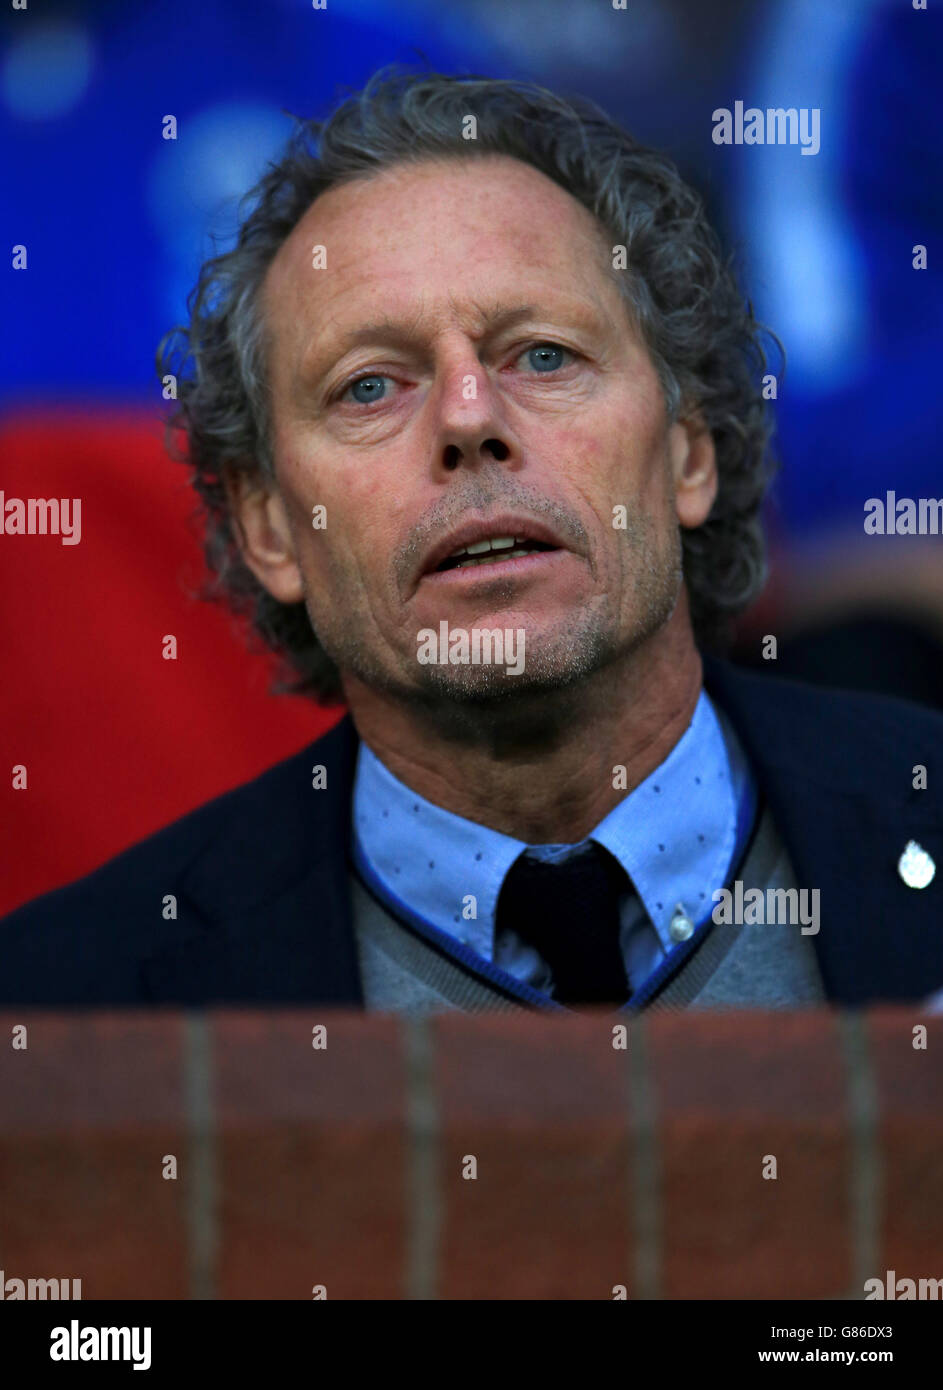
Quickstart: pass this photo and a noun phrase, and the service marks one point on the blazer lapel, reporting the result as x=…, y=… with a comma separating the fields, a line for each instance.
x=845, y=808
x=264, y=911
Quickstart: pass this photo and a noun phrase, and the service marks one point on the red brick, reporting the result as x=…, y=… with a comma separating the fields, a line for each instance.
x=314, y=1158
x=542, y=1103
x=909, y=1085
x=729, y=1089
x=87, y=1113
x=310, y=1154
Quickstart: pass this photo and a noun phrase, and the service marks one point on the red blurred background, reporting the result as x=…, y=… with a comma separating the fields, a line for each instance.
x=116, y=740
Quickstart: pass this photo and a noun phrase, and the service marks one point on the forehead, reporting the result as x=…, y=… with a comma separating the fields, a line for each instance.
x=441, y=229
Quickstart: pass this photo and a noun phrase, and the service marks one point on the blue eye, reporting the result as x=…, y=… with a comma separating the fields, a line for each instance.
x=368, y=389
x=546, y=357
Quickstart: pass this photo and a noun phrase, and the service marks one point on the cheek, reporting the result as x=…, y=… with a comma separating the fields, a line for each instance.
x=616, y=456
x=314, y=514
x=299, y=484
x=346, y=524
x=581, y=454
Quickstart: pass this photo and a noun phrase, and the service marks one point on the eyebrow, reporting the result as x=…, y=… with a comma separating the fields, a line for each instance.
x=385, y=332
x=397, y=333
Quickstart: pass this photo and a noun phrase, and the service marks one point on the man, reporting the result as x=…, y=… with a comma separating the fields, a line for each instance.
x=476, y=417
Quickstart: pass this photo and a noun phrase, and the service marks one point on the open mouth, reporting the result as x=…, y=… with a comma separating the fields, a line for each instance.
x=491, y=551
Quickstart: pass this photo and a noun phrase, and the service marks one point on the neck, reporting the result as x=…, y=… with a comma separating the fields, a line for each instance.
x=543, y=771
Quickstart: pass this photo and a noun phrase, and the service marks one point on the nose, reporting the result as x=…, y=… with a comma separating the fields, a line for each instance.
x=454, y=455
x=470, y=426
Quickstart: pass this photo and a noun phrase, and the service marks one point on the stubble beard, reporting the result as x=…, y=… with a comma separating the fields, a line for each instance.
x=564, y=669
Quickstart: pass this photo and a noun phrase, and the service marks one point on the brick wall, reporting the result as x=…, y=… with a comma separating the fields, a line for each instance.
x=350, y=1165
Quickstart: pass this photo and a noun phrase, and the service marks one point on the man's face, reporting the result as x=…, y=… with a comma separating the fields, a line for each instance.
x=463, y=367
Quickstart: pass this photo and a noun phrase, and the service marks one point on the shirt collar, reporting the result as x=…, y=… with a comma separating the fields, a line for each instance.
x=674, y=835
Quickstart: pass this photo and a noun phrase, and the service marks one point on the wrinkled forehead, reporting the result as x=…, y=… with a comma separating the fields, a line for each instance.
x=436, y=233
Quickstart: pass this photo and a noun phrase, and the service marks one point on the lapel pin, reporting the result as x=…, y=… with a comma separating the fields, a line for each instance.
x=915, y=866
x=681, y=927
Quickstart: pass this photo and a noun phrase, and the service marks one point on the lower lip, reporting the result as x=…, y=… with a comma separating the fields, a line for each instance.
x=524, y=567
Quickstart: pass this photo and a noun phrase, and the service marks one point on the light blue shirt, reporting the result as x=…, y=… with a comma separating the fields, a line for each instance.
x=676, y=836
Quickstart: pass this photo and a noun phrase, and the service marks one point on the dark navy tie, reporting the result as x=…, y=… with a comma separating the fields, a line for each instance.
x=569, y=913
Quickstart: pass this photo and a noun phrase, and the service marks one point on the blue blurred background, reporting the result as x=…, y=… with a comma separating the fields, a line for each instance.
x=118, y=220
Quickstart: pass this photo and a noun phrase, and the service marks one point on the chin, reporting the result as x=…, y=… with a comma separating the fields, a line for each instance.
x=546, y=669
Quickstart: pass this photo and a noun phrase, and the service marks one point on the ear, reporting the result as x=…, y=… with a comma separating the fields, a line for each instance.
x=694, y=469
x=264, y=535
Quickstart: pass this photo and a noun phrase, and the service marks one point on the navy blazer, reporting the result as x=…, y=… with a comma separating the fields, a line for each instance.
x=260, y=875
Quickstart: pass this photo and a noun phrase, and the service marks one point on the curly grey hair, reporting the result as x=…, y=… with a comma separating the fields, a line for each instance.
x=703, y=339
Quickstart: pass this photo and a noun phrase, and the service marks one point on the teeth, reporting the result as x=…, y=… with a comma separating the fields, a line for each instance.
x=492, y=559
x=481, y=547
